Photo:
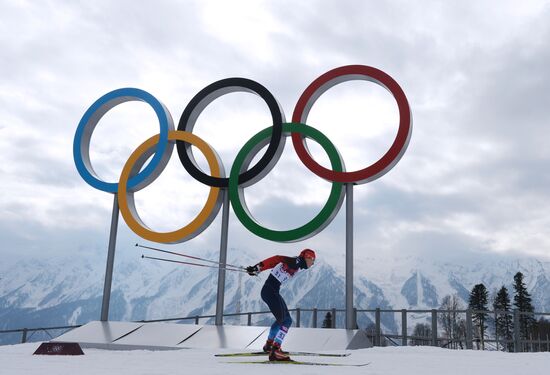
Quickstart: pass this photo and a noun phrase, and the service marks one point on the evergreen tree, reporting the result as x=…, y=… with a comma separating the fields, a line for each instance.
x=503, y=323
x=478, y=302
x=522, y=301
x=327, y=322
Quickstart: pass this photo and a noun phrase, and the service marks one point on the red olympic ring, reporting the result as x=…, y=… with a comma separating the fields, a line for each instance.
x=332, y=78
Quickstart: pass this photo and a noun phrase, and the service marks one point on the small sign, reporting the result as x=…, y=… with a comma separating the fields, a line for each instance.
x=59, y=348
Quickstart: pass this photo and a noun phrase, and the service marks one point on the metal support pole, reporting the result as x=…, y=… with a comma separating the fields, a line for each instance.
x=377, y=331
x=298, y=317
x=110, y=262
x=404, y=327
x=223, y=258
x=24, y=337
x=350, y=324
x=434, y=327
x=314, y=318
x=333, y=318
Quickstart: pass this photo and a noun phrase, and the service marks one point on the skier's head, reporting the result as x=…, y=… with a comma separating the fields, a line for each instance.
x=308, y=256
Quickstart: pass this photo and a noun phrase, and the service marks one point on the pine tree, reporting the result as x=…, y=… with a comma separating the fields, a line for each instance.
x=503, y=323
x=327, y=322
x=478, y=302
x=522, y=301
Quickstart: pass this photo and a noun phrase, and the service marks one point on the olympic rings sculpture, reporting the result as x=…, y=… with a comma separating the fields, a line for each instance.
x=133, y=178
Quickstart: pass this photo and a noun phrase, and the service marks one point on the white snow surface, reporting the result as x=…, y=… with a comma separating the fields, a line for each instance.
x=19, y=359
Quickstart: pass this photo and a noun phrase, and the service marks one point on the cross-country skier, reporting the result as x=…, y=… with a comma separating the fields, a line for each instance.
x=283, y=268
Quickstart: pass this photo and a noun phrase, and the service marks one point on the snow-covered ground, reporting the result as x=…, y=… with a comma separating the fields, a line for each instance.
x=18, y=360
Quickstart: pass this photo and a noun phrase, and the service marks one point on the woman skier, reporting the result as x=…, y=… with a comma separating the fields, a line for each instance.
x=283, y=268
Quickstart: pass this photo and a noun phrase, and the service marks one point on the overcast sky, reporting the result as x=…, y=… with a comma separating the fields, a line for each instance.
x=474, y=179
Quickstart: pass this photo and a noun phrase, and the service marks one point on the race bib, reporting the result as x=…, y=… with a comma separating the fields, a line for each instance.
x=280, y=272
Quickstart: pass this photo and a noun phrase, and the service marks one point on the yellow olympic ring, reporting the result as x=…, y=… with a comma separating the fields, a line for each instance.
x=126, y=198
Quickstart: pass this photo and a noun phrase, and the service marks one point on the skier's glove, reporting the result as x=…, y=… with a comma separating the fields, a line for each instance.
x=253, y=270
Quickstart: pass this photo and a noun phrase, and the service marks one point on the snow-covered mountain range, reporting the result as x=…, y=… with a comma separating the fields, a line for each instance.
x=68, y=291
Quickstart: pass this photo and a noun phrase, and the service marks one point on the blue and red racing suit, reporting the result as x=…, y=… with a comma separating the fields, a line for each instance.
x=283, y=269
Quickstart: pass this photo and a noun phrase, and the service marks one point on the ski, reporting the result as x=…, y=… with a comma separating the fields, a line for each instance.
x=304, y=363
x=256, y=354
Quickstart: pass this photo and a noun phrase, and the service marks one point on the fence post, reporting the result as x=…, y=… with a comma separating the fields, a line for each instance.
x=298, y=317
x=496, y=329
x=434, y=327
x=469, y=342
x=377, y=334
x=24, y=337
x=197, y=319
x=517, y=340
x=333, y=318
x=314, y=323
x=404, y=327
x=249, y=319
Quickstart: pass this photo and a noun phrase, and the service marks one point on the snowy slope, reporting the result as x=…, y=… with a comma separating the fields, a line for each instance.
x=18, y=360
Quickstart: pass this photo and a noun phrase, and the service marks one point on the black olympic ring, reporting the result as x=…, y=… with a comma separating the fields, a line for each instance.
x=207, y=96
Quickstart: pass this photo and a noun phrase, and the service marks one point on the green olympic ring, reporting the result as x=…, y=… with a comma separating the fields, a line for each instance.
x=243, y=160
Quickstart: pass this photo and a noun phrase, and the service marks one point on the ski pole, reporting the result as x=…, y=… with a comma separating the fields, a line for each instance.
x=187, y=256
x=192, y=264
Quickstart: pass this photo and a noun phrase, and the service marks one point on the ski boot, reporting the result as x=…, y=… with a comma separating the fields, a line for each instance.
x=268, y=345
x=277, y=354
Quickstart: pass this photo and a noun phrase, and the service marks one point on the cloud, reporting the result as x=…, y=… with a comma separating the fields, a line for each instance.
x=473, y=178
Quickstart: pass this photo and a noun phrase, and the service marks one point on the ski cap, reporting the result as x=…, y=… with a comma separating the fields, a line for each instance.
x=307, y=253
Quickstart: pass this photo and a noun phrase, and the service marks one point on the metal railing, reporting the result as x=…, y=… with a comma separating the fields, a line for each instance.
x=470, y=336
x=378, y=336
x=25, y=337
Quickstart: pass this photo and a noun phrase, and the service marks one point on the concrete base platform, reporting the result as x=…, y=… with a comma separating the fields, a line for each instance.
x=321, y=339
x=157, y=336
x=172, y=336
x=98, y=334
x=130, y=336
x=233, y=337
